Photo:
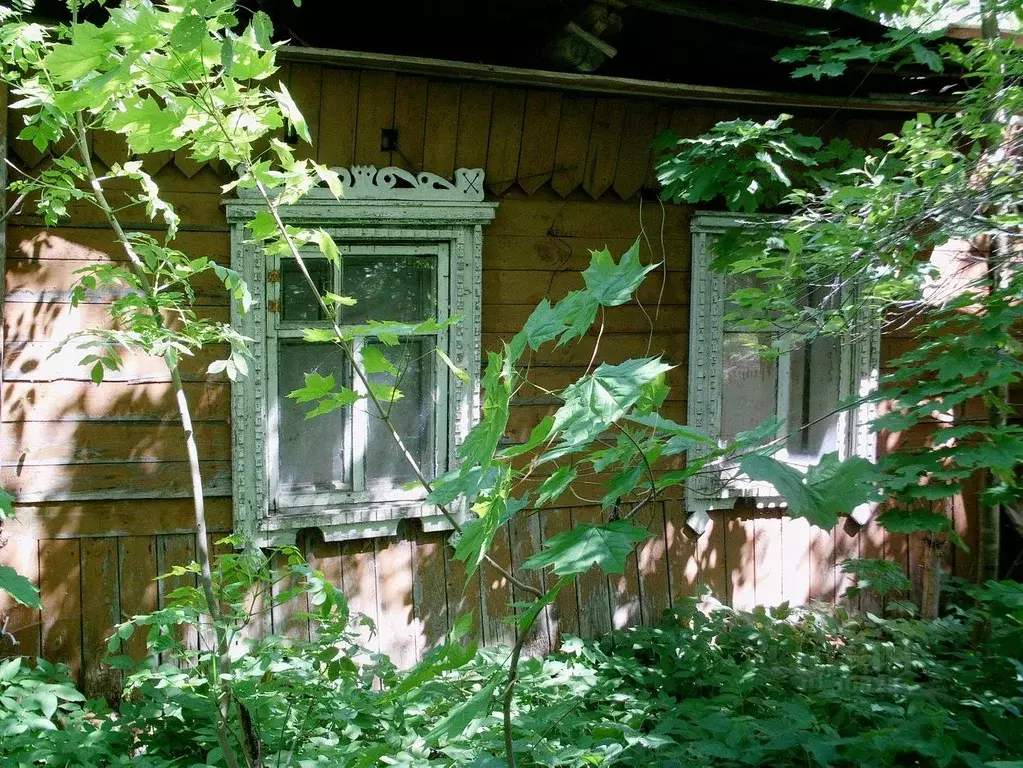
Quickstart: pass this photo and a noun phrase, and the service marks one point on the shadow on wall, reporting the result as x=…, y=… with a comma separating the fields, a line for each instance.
x=102, y=476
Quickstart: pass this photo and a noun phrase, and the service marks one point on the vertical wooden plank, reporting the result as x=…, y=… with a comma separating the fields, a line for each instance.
x=497, y=594
x=22, y=554
x=896, y=549
x=625, y=595
x=474, y=125
x=429, y=589
x=60, y=587
x=683, y=566
x=624, y=590
x=539, y=139
x=739, y=558
x=505, y=138
x=376, y=112
x=872, y=546
x=635, y=155
x=524, y=536
x=463, y=593
x=663, y=121
x=594, y=595
x=139, y=590
x=605, y=139
x=654, y=590
x=260, y=617
x=966, y=507
x=172, y=550
x=304, y=85
x=822, y=564
x=394, y=600
x=573, y=143
x=101, y=607
x=695, y=562
x=767, y=563
x=339, y=105
x=359, y=573
x=287, y=615
x=410, y=122
x=564, y=612
x=441, y=138
x=796, y=559
x=847, y=544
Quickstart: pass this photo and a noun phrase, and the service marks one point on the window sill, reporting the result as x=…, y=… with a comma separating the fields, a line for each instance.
x=348, y=522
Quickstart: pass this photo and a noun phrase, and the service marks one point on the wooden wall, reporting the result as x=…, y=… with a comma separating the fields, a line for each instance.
x=100, y=471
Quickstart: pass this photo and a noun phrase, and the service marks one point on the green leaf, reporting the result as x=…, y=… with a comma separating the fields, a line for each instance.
x=263, y=226
x=612, y=284
x=327, y=246
x=263, y=29
x=292, y=113
x=454, y=725
x=828, y=489
x=188, y=34
x=6, y=505
x=481, y=443
x=538, y=435
x=97, y=373
x=373, y=361
x=579, y=549
x=790, y=484
x=47, y=703
x=86, y=53
x=459, y=373
x=555, y=485
x=18, y=587
x=914, y=521
x=596, y=401
x=316, y=386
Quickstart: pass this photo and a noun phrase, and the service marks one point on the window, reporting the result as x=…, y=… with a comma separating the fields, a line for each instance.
x=410, y=249
x=732, y=388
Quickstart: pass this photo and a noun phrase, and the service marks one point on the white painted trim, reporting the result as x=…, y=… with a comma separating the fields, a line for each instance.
x=859, y=375
x=427, y=214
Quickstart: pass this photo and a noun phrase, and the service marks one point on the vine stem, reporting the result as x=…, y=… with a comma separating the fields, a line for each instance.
x=382, y=413
x=198, y=500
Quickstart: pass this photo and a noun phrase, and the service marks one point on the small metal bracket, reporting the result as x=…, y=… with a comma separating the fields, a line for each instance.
x=273, y=306
x=273, y=276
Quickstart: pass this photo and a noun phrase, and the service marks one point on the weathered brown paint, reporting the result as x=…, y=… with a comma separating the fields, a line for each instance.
x=543, y=149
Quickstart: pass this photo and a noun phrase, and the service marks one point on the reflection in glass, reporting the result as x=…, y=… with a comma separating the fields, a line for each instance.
x=412, y=416
x=749, y=385
x=400, y=288
x=814, y=390
x=310, y=453
x=297, y=300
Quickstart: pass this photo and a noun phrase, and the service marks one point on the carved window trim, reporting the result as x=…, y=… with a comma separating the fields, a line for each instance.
x=387, y=207
x=860, y=364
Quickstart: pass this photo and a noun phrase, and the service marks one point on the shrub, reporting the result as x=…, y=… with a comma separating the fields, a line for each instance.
x=784, y=687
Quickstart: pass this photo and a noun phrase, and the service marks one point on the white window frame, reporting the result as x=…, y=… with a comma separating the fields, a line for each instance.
x=860, y=363
x=389, y=211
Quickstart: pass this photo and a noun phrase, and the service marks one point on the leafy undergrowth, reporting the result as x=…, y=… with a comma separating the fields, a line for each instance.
x=802, y=688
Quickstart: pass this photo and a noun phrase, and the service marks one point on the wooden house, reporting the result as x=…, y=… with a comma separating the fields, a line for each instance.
x=557, y=104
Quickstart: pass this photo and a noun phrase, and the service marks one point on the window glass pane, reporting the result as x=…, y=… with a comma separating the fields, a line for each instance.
x=412, y=416
x=814, y=392
x=735, y=283
x=311, y=453
x=401, y=288
x=749, y=384
x=297, y=300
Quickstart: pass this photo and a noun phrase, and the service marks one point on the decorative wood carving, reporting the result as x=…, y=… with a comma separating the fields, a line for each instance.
x=385, y=206
x=365, y=182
